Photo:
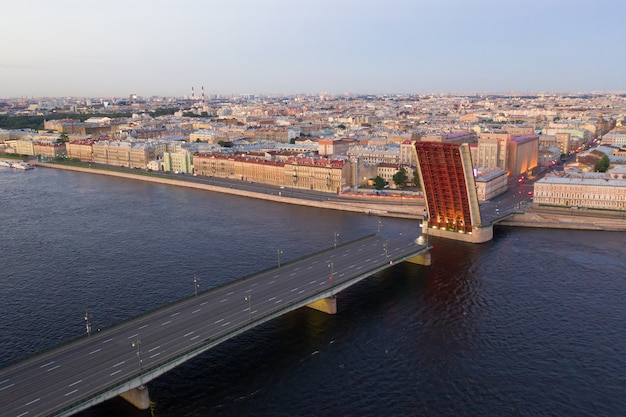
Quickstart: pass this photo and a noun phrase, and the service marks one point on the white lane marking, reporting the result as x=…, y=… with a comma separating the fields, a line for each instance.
x=175, y=314
x=195, y=337
x=313, y=282
x=118, y=364
x=33, y=401
x=344, y=255
x=271, y=282
x=309, y=268
x=2, y=382
x=53, y=368
x=295, y=269
x=155, y=355
x=368, y=259
x=71, y=392
x=273, y=298
x=314, y=262
x=352, y=266
x=300, y=292
x=279, y=301
x=143, y=327
x=74, y=383
x=226, y=324
x=359, y=267
x=107, y=341
x=230, y=293
x=332, y=256
x=253, y=284
x=23, y=414
x=254, y=311
x=47, y=364
x=116, y=372
x=275, y=276
x=154, y=348
x=167, y=322
x=95, y=351
x=340, y=275
x=188, y=334
x=292, y=274
x=135, y=335
x=219, y=321
x=195, y=311
x=203, y=303
x=322, y=283
x=225, y=299
x=295, y=289
x=8, y=386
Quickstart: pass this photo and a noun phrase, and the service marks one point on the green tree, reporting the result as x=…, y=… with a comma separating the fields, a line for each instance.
x=416, y=178
x=603, y=164
x=400, y=177
x=63, y=138
x=379, y=183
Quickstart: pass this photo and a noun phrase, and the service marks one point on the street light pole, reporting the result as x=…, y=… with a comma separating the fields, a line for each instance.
x=331, y=265
x=248, y=298
x=386, y=251
x=278, y=252
x=196, y=284
x=87, y=323
x=137, y=344
x=336, y=236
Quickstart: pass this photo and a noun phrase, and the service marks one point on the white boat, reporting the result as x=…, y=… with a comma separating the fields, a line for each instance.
x=22, y=165
x=5, y=164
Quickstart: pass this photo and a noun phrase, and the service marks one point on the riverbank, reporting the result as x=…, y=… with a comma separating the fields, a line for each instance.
x=564, y=218
x=360, y=204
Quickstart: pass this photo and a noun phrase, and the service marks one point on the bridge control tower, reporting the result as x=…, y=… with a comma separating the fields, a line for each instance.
x=446, y=174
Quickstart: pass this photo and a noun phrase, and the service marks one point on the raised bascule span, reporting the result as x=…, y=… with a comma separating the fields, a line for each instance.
x=122, y=359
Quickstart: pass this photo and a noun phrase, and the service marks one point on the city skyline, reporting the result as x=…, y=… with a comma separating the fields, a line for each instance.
x=279, y=47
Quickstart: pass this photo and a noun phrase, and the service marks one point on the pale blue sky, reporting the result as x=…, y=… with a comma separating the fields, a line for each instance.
x=114, y=48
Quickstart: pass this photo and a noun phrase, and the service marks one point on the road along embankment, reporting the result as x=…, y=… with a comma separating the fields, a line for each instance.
x=564, y=218
x=358, y=206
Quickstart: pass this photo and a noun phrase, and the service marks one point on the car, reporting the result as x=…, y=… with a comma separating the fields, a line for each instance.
x=530, y=193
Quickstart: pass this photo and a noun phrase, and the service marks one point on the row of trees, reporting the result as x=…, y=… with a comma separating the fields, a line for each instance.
x=400, y=178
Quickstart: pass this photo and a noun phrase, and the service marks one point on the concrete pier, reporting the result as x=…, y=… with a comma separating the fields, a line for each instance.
x=139, y=397
x=325, y=305
x=424, y=259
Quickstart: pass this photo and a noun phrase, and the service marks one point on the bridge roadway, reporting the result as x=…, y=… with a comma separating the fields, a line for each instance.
x=92, y=369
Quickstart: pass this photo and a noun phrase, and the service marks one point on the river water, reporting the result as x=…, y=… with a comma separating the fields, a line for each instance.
x=532, y=323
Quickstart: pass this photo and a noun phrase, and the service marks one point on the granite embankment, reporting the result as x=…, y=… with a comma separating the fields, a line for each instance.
x=394, y=208
x=565, y=218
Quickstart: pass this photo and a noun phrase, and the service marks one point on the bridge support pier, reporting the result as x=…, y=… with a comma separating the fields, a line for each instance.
x=325, y=305
x=423, y=259
x=139, y=397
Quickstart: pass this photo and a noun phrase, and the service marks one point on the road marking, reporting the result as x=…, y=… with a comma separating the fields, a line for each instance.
x=155, y=355
x=295, y=289
x=322, y=283
x=118, y=364
x=368, y=259
x=116, y=372
x=295, y=269
x=53, y=368
x=341, y=275
x=107, y=341
x=188, y=334
x=313, y=282
x=6, y=380
x=309, y=268
x=175, y=314
x=48, y=364
x=275, y=276
x=167, y=322
x=8, y=386
x=273, y=298
x=292, y=274
x=226, y=324
x=195, y=337
x=95, y=351
x=344, y=255
x=74, y=383
x=279, y=301
x=225, y=299
x=332, y=256
x=71, y=392
x=203, y=303
x=195, y=311
x=271, y=282
x=143, y=327
x=23, y=414
x=154, y=348
x=359, y=267
x=314, y=262
x=135, y=335
x=219, y=321
x=253, y=284
x=230, y=293
x=352, y=266
x=300, y=292
x=33, y=401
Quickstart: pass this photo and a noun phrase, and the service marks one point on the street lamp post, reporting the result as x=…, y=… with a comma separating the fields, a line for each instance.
x=248, y=298
x=331, y=265
x=380, y=223
x=88, y=323
x=196, y=284
x=137, y=344
x=278, y=252
x=386, y=250
x=336, y=236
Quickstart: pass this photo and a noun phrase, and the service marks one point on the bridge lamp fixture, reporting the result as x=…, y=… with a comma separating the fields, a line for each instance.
x=196, y=284
x=248, y=298
x=331, y=265
x=88, y=323
x=278, y=253
x=336, y=236
x=137, y=344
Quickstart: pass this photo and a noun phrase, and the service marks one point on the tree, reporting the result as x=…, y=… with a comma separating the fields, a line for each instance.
x=379, y=183
x=400, y=177
x=416, y=178
x=63, y=138
x=603, y=164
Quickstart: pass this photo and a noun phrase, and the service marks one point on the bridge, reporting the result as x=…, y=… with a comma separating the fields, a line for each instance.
x=122, y=359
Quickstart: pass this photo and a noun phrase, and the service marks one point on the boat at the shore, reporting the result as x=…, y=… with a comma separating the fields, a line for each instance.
x=22, y=165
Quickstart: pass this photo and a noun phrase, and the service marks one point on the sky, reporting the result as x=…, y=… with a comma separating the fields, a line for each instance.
x=164, y=48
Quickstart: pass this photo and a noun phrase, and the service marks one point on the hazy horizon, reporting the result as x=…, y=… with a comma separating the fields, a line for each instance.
x=278, y=47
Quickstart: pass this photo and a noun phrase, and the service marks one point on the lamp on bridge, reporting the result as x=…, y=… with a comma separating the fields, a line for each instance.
x=336, y=236
x=196, y=284
x=137, y=344
x=278, y=252
x=331, y=265
x=248, y=298
x=87, y=323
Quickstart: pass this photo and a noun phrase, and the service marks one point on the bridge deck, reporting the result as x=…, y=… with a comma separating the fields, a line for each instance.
x=92, y=369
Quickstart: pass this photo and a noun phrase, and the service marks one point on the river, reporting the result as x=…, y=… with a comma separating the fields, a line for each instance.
x=532, y=323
